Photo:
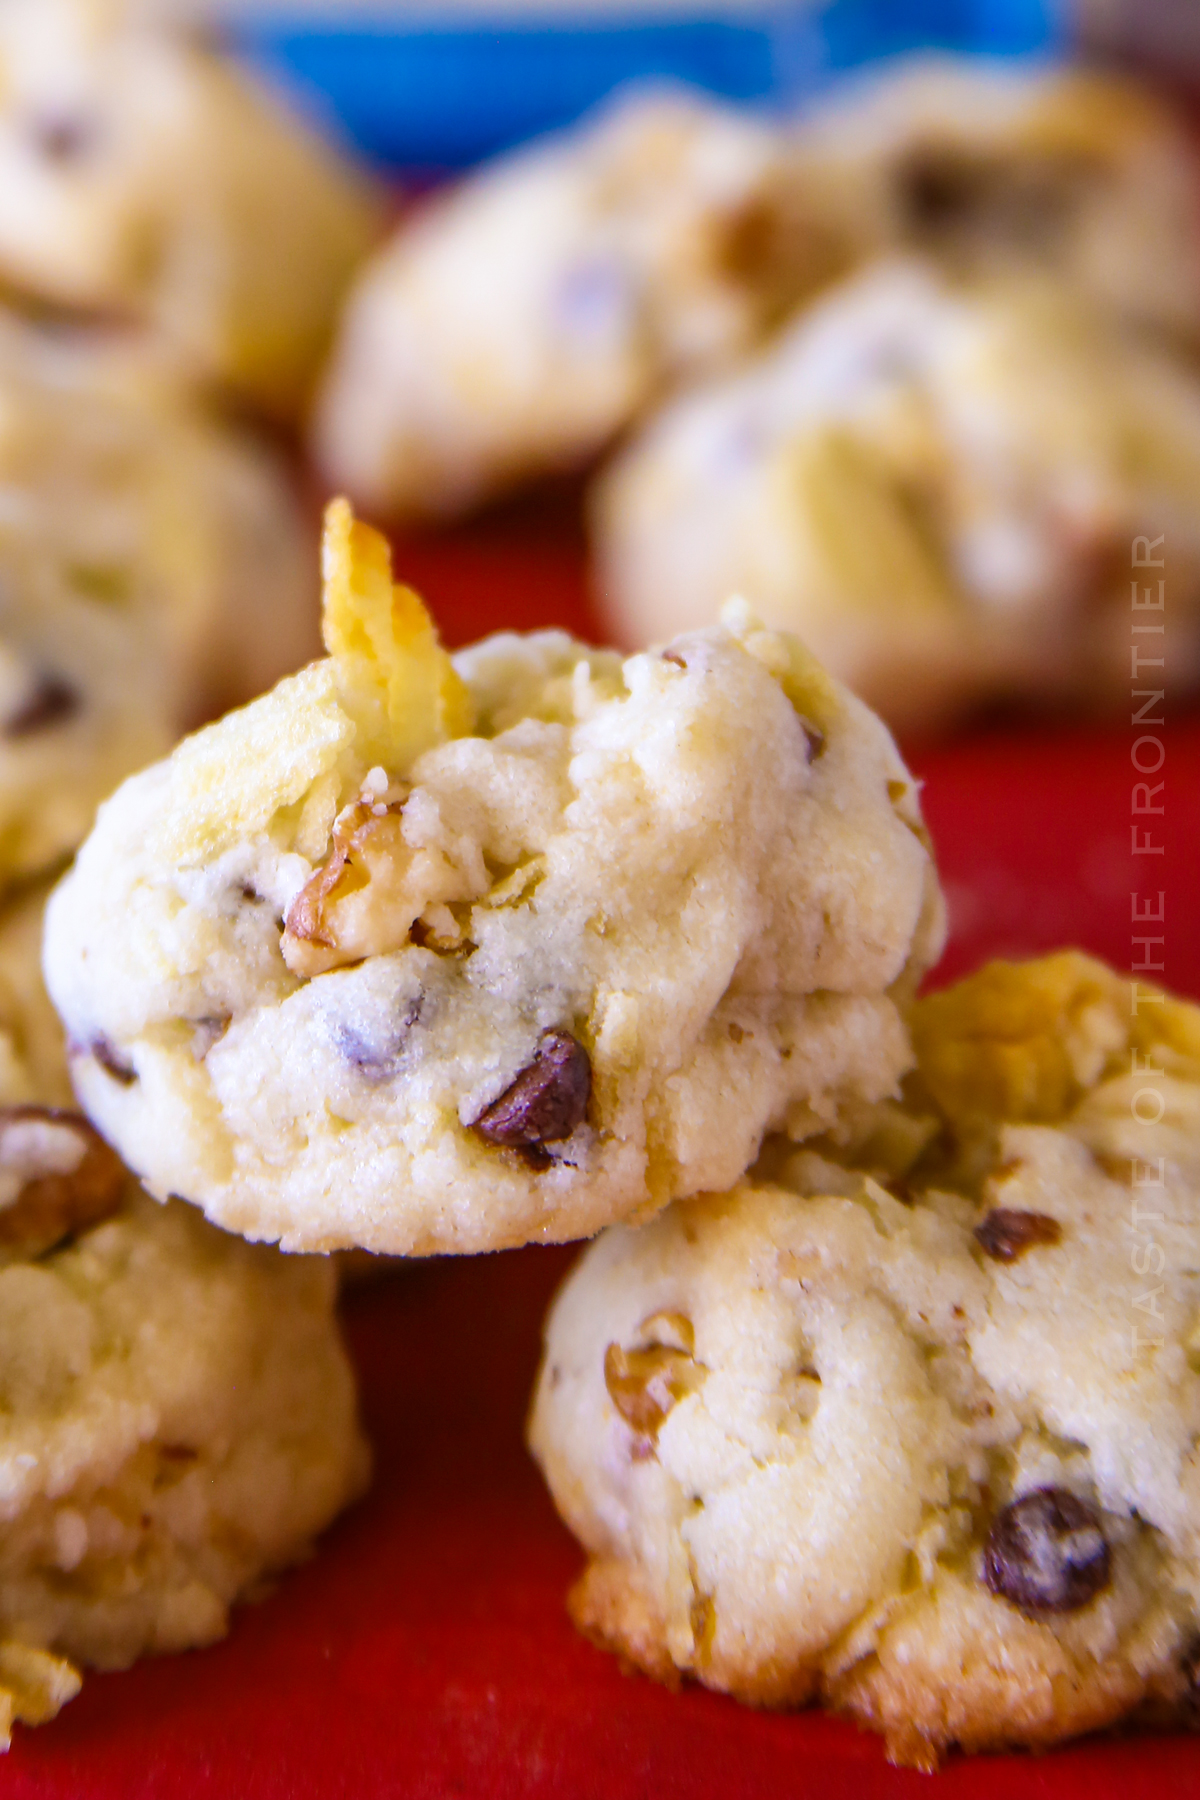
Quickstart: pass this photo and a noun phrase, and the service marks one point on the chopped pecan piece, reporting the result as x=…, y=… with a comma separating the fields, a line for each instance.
x=1007, y=1233
x=645, y=1384
x=1047, y=1553
x=367, y=897
x=57, y=1177
x=545, y=1103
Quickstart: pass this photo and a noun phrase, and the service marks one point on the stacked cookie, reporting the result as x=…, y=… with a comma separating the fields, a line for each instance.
x=849, y=1398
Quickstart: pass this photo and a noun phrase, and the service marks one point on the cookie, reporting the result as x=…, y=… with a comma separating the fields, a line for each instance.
x=514, y=325
x=947, y=487
x=143, y=179
x=178, y=1415
x=909, y=1421
x=33, y=1049
x=80, y=706
x=992, y=166
x=134, y=499
x=427, y=954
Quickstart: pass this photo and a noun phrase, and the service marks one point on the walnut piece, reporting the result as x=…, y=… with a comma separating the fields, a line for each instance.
x=365, y=900
x=644, y=1384
x=57, y=1177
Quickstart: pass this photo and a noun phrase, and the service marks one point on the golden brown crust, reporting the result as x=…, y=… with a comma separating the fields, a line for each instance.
x=964, y=1669
x=610, y=1606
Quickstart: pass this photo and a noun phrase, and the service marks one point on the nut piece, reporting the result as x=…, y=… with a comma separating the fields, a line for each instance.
x=57, y=1177
x=645, y=1384
x=1007, y=1233
x=545, y=1103
x=366, y=898
x=50, y=701
x=1047, y=1553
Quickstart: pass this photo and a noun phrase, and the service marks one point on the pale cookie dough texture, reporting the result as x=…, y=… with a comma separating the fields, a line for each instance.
x=514, y=325
x=177, y=1422
x=909, y=1421
x=126, y=497
x=990, y=166
x=424, y=954
x=144, y=179
x=946, y=486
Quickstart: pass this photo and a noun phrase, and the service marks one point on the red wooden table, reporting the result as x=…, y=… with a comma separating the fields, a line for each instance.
x=425, y=1651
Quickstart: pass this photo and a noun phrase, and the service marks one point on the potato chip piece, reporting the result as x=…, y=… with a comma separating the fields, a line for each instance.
x=229, y=780
x=395, y=676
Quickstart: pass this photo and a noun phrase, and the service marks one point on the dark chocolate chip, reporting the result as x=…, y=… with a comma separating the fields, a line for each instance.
x=1007, y=1233
x=51, y=701
x=106, y=1055
x=378, y=1059
x=545, y=1103
x=64, y=137
x=1047, y=1553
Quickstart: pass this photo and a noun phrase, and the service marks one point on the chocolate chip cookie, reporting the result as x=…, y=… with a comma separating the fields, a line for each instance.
x=424, y=954
x=909, y=1421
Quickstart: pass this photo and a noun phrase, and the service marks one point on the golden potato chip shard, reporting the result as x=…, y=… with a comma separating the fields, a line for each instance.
x=386, y=647
x=229, y=780
x=37, y=1684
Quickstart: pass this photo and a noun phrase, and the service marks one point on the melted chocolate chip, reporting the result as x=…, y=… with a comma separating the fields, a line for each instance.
x=378, y=1059
x=545, y=1103
x=51, y=701
x=1007, y=1233
x=64, y=137
x=1047, y=1553
x=106, y=1055
x=58, y=1197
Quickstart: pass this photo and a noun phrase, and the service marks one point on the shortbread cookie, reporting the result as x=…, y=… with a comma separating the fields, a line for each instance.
x=991, y=166
x=130, y=497
x=910, y=1420
x=143, y=179
x=178, y=1415
x=947, y=488
x=515, y=324
x=425, y=955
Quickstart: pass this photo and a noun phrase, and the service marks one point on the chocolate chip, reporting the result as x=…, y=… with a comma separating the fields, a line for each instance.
x=68, y=1177
x=111, y=1062
x=1047, y=1553
x=545, y=1103
x=51, y=701
x=64, y=137
x=1007, y=1233
x=378, y=1058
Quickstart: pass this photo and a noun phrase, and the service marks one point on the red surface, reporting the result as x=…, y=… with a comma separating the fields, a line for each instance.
x=425, y=1651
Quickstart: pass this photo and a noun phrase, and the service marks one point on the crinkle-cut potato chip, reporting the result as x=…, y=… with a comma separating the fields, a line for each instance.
x=383, y=640
x=421, y=953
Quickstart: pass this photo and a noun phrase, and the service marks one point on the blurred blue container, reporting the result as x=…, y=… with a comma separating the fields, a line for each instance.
x=422, y=90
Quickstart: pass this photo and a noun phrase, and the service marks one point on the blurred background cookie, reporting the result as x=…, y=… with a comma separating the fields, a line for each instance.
x=515, y=324
x=144, y=179
x=935, y=481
